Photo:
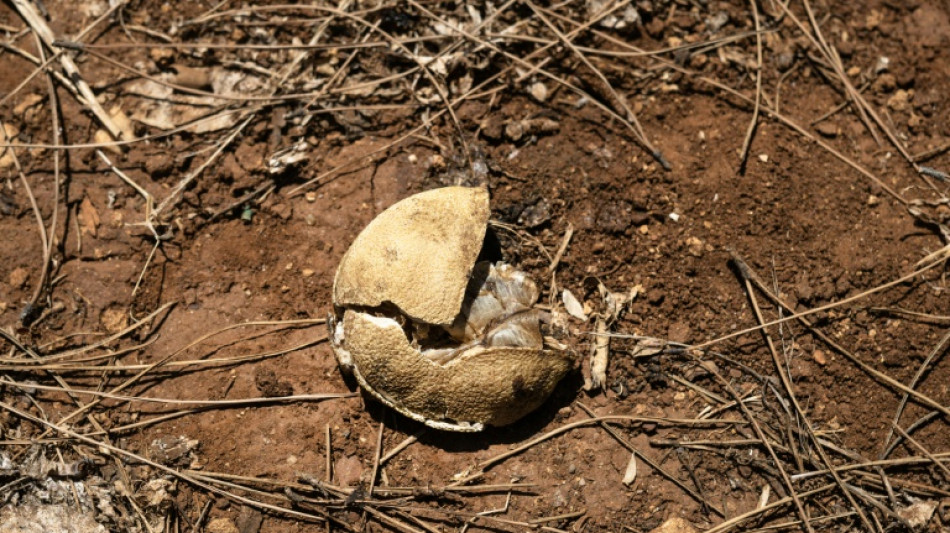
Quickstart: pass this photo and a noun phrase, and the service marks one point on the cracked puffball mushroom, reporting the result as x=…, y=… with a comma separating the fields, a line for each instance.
x=427, y=329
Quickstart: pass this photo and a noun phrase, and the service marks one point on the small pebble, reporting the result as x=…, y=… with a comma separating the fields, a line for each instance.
x=827, y=129
x=694, y=246
x=538, y=91
x=873, y=200
x=883, y=63
x=307, y=272
x=18, y=277
x=819, y=357
x=900, y=101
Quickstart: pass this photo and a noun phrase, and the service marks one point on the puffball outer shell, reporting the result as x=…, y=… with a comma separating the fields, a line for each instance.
x=495, y=386
x=417, y=254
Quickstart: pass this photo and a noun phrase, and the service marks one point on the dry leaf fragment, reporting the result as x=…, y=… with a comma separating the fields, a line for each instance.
x=732, y=55
x=764, y=496
x=518, y=129
x=616, y=302
x=573, y=306
x=620, y=19
x=103, y=137
x=122, y=122
x=287, y=157
x=88, y=217
x=600, y=353
x=164, y=109
x=630, y=475
x=918, y=514
x=675, y=525
x=7, y=133
x=48, y=518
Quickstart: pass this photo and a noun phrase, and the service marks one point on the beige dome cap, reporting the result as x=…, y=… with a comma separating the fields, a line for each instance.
x=494, y=386
x=428, y=240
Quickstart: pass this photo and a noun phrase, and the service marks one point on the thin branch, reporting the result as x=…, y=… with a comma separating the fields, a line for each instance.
x=921, y=370
x=799, y=412
x=919, y=446
x=43, y=31
x=744, y=154
x=880, y=376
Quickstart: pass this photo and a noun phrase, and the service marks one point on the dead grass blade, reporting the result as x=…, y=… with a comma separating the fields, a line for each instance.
x=880, y=376
x=176, y=401
x=799, y=414
x=939, y=349
x=801, y=316
x=479, y=469
x=754, y=121
x=653, y=464
x=612, y=95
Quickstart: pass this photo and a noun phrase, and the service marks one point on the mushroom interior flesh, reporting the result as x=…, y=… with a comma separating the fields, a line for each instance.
x=497, y=311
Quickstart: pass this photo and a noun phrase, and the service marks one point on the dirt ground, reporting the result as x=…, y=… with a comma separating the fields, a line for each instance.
x=250, y=211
